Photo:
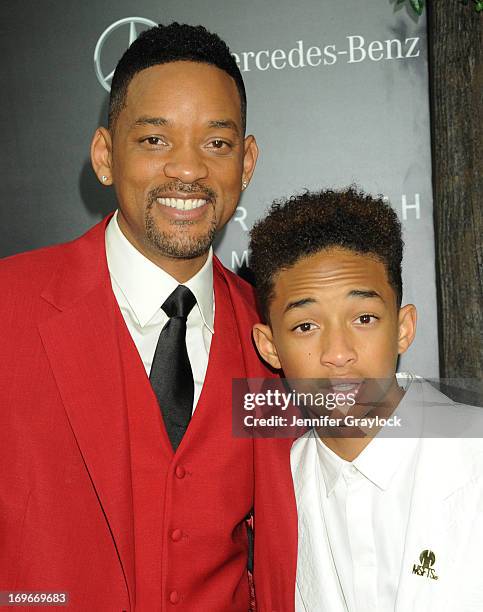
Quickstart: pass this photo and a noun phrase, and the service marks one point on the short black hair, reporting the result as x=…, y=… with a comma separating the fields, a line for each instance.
x=311, y=222
x=172, y=43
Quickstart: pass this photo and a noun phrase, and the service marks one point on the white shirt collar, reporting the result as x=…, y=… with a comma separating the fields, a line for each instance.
x=331, y=465
x=146, y=286
x=381, y=458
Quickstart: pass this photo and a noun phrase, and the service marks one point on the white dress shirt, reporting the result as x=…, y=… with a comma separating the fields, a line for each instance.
x=141, y=287
x=352, y=521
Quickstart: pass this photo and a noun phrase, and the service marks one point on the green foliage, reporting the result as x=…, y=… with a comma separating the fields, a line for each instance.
x=477, y=3
x=418, y=5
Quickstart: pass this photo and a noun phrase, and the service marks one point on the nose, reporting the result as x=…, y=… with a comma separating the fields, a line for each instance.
x=186, y=164
x=338, y=350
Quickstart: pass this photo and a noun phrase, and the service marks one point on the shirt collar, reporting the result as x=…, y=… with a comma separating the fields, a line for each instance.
x=146, y=286
x=331, y=465
x=381, y=458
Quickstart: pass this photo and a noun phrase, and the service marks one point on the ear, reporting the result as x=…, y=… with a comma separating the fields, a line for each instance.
x=250, y=157
x=407, y=327
x=101, y=155
x=262, y=335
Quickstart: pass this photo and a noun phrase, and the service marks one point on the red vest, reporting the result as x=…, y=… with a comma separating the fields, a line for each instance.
x=189, y=537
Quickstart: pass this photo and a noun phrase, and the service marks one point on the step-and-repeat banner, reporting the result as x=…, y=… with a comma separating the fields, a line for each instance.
x=337, y=94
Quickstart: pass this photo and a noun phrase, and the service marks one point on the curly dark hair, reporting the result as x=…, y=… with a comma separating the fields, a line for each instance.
x=311, y=222
x=172, y=43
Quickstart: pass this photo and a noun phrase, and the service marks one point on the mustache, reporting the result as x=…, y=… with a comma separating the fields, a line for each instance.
x=180, y=187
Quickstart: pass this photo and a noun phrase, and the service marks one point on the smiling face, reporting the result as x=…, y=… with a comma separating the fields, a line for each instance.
x=177, y=158
x=334, y=316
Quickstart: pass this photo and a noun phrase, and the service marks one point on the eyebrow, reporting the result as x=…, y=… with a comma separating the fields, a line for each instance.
x=226, y=124
x=151, y=121
x=299, y=303
x=361, y=293
x=364, y=293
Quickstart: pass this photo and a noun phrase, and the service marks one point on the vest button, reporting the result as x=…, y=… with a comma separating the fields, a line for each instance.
x=174, y=597
x=176, y=535
x=180, y=471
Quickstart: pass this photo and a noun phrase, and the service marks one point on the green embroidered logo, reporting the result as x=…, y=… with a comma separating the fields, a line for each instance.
x=427, y=559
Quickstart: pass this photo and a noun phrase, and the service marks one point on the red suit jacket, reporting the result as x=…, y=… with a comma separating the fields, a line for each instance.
x=87, y=470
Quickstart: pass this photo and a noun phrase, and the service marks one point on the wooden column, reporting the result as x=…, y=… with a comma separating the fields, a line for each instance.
x=455, y=34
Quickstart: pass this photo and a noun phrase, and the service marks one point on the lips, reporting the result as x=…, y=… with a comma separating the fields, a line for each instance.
x=346, y=387
x=182, y=204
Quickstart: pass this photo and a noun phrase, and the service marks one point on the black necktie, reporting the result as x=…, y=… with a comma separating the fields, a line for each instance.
x=171, y=376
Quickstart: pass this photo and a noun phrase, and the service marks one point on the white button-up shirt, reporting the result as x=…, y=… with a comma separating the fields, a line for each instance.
x=352, y=522
x=141, y=287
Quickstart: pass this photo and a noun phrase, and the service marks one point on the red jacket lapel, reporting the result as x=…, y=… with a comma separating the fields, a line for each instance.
x=82, y=347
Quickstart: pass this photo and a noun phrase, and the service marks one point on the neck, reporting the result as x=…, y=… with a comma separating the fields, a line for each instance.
x=346, y=448
x=180, y=269
x=350, y=447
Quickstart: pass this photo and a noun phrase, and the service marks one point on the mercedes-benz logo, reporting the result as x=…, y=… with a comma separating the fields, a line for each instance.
x=132, y=22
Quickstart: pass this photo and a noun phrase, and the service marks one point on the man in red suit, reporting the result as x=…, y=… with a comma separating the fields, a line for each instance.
x=121, y=482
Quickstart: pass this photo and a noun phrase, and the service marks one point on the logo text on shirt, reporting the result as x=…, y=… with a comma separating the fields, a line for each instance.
x=427, y=559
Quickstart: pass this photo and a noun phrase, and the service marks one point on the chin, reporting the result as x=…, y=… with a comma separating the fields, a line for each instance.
x=185, y=247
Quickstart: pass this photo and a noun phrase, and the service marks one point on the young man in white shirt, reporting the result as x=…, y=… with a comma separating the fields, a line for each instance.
x=385, y=523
